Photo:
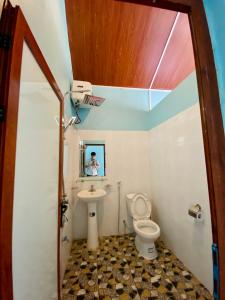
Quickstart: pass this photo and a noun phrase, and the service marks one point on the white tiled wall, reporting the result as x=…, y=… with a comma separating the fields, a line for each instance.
x=126, y=162
x=35, y=203
x=178, y=180
x=69, y=171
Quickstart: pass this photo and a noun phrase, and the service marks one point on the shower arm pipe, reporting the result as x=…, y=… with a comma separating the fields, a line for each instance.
x=119, y=205
x=161, y=58
x=63, y=181
x=63, y=189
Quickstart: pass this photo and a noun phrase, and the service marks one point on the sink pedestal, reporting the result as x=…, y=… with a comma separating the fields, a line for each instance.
x=91, y=197
x=92, y=240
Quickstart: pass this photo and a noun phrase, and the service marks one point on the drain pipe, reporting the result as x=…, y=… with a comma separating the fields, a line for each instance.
x=119, y=199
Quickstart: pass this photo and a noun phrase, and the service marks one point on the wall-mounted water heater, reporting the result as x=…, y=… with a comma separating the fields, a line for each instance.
x=82, y=94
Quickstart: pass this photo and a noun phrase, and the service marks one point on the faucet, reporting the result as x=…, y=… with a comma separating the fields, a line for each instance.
x=92, y=189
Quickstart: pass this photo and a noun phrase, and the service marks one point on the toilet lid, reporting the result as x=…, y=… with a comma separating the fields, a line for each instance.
x=140, y=207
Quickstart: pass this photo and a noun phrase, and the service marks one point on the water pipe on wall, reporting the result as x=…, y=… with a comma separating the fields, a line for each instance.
x=119, y=205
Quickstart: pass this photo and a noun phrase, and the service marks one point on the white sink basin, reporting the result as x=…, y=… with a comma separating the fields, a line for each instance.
x=91, y=198
x=94, y=196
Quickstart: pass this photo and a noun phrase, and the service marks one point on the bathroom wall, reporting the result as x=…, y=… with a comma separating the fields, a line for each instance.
x=69, y=171
x=126, y=162
x=178, y=177
x=124, y=109
x=184, y=96
x=121, y=108
x=47, y=20
x=157, y=96
x=129, y=108
x=35, y=204
x=216, y=22
x=178, y=181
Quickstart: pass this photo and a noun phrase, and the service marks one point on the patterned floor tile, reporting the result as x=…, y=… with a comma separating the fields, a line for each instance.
x=116, y=272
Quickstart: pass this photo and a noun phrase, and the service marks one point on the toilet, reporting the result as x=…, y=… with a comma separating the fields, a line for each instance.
x=147, y=231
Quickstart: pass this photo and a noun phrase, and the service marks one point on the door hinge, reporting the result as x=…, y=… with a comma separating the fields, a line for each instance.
x=2, y=113
x=5, y=40
x=216, y=276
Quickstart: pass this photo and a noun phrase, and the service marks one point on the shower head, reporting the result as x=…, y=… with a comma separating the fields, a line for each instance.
x=71, y=122
x=93, y=100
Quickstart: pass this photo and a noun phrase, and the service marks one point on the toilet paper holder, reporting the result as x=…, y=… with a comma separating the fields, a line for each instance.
x=196, y=212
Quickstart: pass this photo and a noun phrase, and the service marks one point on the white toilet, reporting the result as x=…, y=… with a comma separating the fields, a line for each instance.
x=147, y=231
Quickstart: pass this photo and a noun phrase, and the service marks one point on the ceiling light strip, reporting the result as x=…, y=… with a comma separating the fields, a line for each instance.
x=164, y=50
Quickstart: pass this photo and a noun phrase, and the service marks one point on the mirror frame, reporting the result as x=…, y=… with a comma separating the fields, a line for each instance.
x=82, y=161
x=15, y=31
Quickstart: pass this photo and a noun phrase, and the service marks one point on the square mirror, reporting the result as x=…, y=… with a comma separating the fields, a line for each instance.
x=92, y=159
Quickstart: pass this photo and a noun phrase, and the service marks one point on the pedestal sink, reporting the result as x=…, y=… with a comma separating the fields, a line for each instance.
x=91, y=197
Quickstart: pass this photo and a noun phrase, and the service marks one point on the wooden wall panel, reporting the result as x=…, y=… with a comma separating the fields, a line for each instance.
x=116, y=43
x=178, y=61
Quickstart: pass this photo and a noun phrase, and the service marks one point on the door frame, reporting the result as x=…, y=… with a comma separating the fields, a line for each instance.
x=16, y=31
x=211, y=119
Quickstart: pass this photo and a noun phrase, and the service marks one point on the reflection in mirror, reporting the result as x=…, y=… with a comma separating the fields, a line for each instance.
x=35, y=211
x=92, y=158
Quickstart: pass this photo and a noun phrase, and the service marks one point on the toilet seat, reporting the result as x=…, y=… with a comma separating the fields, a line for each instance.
x=147, y=229
x=140, y=207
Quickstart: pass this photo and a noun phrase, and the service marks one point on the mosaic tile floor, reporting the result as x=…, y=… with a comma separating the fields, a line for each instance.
x=115, y=271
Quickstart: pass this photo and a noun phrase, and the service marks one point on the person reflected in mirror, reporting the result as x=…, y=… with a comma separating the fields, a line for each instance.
x=92, y=165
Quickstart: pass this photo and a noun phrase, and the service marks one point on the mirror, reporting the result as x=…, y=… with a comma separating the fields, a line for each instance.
x=92, y=158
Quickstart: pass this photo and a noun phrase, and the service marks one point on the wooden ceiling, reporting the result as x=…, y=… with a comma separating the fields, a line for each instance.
x=178, y=61
x=116, y=43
